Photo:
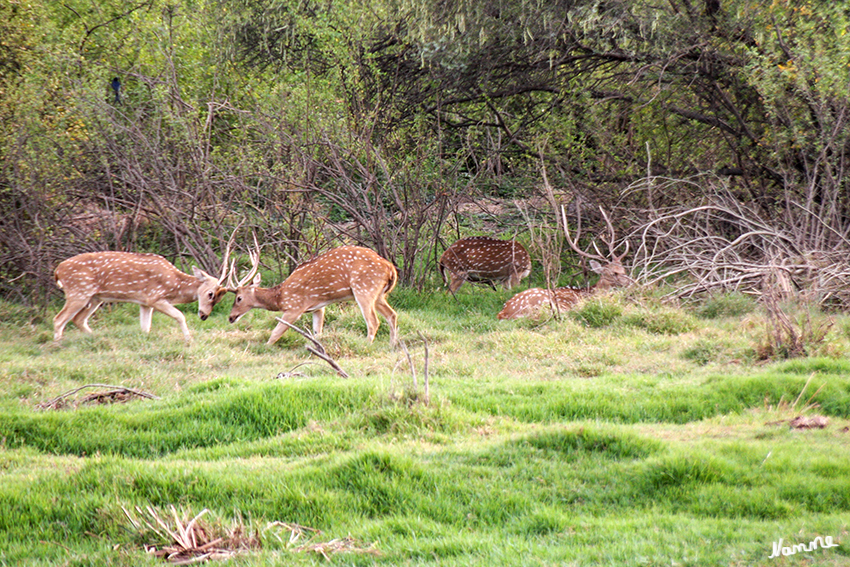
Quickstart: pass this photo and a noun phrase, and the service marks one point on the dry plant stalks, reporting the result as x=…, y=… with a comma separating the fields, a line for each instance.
x=318, y=348
x=785, y=338
x=725, y=244
x=297, y=532
x=115, y=394
x=802, y=421
x=426, y=395
x=190, y=541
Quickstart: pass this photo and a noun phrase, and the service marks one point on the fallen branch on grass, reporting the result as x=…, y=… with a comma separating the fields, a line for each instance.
x=318, y=349
x=113, y=395
x=347, y=545
x=804, y=422
x=191, y=541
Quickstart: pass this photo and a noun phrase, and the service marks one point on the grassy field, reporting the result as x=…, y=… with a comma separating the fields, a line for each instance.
x=626, y=433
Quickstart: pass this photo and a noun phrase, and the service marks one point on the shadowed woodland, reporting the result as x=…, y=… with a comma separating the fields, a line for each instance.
x=714, y=133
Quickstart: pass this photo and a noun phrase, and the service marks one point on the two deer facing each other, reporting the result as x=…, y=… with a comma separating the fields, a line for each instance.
x=151, y=281
x=480, y=259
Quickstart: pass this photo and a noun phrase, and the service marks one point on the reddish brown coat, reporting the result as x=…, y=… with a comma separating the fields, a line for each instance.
x=485, y=259
x=534, y=302
x=341, y=274
x=94, y=278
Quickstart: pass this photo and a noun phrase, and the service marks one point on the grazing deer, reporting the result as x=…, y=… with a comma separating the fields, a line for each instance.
x=480, y=259
x=93, y=278
x=341, y=274
x=533, y=302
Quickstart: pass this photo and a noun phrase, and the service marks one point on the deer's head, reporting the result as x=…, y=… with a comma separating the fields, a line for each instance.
x=212, y=290
x=611, y=271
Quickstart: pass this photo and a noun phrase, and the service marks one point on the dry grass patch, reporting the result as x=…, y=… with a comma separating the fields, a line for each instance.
x=196, y=540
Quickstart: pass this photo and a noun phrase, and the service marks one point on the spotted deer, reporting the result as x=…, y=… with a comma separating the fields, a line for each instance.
x=481, y=259
x=91, y=279
x=534, y=302
x=341, y=274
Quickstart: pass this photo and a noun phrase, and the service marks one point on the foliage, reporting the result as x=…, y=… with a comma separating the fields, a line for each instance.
x=318, y=123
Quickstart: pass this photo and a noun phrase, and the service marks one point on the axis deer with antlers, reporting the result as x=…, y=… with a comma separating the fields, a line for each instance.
x=91, y=279
x=534, y=302
x=481, y=259
x=341, y=274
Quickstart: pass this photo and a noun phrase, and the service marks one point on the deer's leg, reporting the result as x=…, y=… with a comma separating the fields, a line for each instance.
x=318, y=321
x=512, y=280
x=81, y=319
x=68, y=312
x=367, y=307
x=145, y=316
x=390, y=315
x=456, y=282
x=167, y=309
x=290, y=317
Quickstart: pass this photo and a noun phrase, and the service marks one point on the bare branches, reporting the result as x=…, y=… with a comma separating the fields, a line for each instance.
x=725, y=244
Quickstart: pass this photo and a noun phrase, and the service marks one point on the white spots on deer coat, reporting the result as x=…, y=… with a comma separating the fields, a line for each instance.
x=90, y=279
x=485, y=259
x=341, y=274
x=534, y=302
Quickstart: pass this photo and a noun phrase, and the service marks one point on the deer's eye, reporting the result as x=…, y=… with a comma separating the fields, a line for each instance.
x=210, y=295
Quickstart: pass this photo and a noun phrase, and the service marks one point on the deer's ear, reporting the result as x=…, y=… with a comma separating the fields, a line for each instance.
x=596, y=266
x=200, y=274
x=256, y=281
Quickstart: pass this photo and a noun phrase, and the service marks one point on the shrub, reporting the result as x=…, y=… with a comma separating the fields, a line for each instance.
x=662, y=322
x=597, y=313
x=726, y=305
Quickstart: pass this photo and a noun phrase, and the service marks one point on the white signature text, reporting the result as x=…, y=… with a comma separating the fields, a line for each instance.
x=824, y=542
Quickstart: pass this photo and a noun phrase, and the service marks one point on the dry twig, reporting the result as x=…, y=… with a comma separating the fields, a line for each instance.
x=346, y=545
x=318, y=349
x=114, y=394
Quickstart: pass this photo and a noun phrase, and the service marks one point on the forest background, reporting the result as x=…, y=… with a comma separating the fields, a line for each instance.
x=714, y=132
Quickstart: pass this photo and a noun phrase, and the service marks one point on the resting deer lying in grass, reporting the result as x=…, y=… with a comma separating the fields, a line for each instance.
x=93, y=278
x=484, y=259
x=341, y=274
x=534, y=302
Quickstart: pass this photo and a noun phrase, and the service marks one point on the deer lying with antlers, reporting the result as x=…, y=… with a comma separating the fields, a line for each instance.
x=534, y=302
x=341, y=274
x=481, y=259
x=91, y=279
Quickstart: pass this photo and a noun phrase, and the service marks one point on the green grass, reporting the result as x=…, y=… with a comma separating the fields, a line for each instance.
x=625, y=433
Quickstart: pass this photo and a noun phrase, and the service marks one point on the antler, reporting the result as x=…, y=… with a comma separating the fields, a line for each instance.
x=224, y=271
x=609, y=242
x=255, y=265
